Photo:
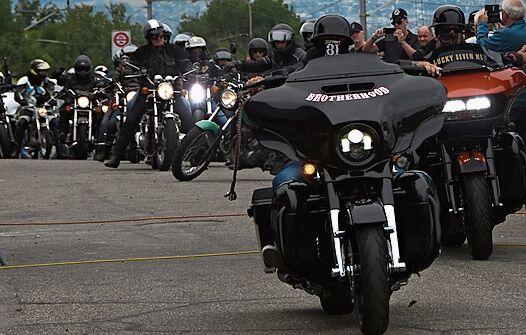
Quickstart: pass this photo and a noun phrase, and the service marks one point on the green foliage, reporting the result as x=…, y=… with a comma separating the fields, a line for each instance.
x=81, y=30
x=226, y=21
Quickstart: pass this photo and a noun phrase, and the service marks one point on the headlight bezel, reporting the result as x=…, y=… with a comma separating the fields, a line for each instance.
x=165, y=91
x=345, y=142
x=83, y=102
x=229, y=98
x=41, y=112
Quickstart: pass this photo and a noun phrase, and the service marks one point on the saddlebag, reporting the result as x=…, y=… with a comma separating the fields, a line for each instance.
x=417, y=213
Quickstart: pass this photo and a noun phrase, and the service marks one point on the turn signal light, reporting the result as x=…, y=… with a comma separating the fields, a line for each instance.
x=145, y=91
x=97, y=109
x=309, y=169
x=69, y=108
x=114, y=106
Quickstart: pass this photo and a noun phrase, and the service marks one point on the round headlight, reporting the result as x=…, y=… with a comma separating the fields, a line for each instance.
x=130, y=95
x=197, y=93
x=105, y=108
x=228, y=99
x=357, y=144
x=42, y=112
x=165, y=91
x=83, y=102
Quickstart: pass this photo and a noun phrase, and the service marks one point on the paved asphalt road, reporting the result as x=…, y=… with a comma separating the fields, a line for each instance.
x=225, y=294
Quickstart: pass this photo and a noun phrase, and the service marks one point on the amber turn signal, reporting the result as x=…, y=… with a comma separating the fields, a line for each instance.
x=145, y=91
x=309, y=169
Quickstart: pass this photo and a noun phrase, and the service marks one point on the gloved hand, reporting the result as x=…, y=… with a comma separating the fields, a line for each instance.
x=231, y=65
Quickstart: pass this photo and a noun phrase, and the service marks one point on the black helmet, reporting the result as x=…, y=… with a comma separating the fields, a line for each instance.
x=449, y=15
x=257, y=44
x=38, y=65
x=282, y=32
x=223, y=54
x=333, y=26
x=152, y=28
x=82, y=64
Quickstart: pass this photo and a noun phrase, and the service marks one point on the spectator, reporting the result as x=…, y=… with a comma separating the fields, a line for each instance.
x=424, y=35
x=512, y=37
x=358, y=37
x=401, y=47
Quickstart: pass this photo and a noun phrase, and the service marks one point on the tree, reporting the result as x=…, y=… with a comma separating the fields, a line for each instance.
x=226, y=21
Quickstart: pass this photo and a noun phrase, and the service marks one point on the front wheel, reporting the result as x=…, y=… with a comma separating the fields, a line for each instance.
x=82, y=147
x=194, y=154
x=373, y=290
x=478, y=215
x=45, y=144
x=168, y=140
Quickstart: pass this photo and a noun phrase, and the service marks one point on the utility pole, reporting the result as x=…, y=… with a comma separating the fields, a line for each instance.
x=363, y=16
x=149, y=9
x=249, y=18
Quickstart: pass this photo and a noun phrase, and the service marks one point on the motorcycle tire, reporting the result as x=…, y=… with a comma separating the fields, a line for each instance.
x=479, y=221
x=373, y=288
x=198, y=115
x=5, y=143
x=82, y=147
x=168, y=141
x=46, y=145
x=196, y=140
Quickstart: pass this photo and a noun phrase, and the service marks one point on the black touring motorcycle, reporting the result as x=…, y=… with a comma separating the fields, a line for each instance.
x=359, y=223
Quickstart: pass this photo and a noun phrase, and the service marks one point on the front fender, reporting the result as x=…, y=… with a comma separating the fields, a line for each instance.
x=371, y=212
x=208, y=125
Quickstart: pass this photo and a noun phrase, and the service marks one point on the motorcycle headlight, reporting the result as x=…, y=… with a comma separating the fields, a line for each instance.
x=165, y=91
x=83, y=102
x=130, y=95
x=228, y=99
x=105, y=108
x=197, y=93
x=42, y=112
x=472, y=108
x=357, y=144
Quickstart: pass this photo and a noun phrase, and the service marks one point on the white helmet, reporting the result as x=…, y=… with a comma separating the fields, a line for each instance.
x=196, y=42
x=101, y=68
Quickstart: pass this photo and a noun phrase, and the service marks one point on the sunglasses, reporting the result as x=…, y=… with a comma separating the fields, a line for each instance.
x=260, y=51
x=157, y=37
x=397, y=22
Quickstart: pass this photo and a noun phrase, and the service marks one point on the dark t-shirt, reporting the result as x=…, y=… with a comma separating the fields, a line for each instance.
x=393, y=50
x=463, y=52
x=352, y=50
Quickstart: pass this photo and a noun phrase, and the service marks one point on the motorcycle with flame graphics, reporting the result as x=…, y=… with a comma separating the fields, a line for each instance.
x=359, y=222
x=477, y=157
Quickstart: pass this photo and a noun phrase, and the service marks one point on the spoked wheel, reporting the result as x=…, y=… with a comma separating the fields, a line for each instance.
x=45, y=143
x=168, y=136
x=194, y=154
x=478, y=215
x=372, y=286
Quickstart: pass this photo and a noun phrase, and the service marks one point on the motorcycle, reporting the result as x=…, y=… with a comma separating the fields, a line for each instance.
x=200, y=93
x=215, y=137
x=158, y=136
x=38, y=140
x=359, y=223
x=477, y=157
x=7, y=123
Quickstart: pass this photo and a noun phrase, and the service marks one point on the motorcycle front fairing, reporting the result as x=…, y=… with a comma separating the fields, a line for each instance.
x=331, y=92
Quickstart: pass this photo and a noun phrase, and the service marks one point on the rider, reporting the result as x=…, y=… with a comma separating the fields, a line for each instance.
x=182, y=39
x=306, y=31
x=35, y=85
x=197, y=50
x=257, y=48
x=285, y=53
x=163, y=59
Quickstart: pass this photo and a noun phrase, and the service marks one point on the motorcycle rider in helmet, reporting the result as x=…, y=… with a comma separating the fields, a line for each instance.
x=285, y=54
x=108, y=125
x=197, y=50
x=306, y=31
x=36, y=84
x=163, y=59
x=257, y=48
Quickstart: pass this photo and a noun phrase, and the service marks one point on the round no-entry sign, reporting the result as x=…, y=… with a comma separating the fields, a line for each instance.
x=121, y=39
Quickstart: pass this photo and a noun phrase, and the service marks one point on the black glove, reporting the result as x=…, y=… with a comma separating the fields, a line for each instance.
x=231, y=65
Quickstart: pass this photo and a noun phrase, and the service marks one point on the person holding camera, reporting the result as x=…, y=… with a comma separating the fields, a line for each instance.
x=397, y=43
x=509, y=39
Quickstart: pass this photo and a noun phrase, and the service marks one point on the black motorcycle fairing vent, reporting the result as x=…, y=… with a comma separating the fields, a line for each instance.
x=348, y=88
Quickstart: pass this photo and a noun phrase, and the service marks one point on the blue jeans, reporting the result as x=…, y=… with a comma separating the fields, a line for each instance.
x=293, y=171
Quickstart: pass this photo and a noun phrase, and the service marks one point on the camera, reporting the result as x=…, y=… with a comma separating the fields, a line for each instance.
x=389, y=37
x=493, y=13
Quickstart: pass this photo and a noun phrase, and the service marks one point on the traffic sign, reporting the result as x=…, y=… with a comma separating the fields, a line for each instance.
x=119, y=39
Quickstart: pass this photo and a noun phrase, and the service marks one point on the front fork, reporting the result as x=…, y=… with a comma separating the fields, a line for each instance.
x=340, y=269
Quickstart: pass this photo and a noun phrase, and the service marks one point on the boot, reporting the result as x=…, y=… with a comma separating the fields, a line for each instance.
x=100, y=153
x=113, y=162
